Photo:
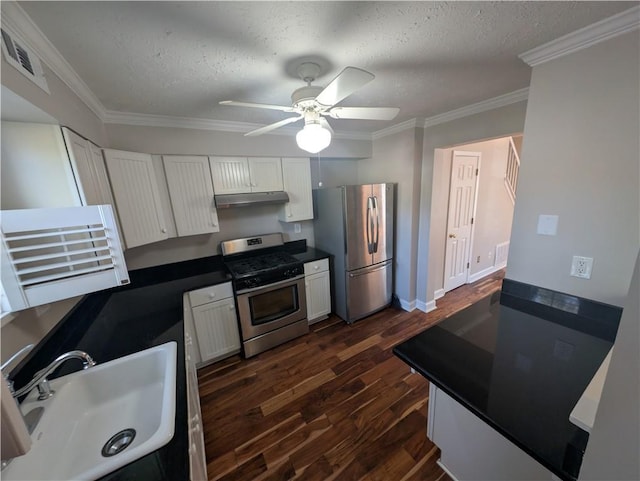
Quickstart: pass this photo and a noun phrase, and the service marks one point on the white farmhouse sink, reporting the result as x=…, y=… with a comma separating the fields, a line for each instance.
x=89, y=407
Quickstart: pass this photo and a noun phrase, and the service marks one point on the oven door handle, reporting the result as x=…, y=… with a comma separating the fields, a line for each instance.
x=273, y=284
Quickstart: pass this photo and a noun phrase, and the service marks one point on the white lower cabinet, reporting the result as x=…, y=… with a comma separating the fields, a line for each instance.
x=213, y=311
x=318, y=290
x=197, y=458
x=471, y=449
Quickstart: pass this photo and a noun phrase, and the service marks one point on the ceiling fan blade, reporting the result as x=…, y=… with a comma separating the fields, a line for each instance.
x=259, y=106
x=270, y=127
x=347, y=82
x=364, y=113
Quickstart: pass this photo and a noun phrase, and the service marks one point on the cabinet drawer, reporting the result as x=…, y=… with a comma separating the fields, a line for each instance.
x=210, y=294
x=316, y=266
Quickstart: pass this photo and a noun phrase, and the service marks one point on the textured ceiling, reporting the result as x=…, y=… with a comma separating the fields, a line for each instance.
x=182, y=58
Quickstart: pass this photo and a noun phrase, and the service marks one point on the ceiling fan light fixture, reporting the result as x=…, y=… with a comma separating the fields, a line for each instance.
x=313, y=138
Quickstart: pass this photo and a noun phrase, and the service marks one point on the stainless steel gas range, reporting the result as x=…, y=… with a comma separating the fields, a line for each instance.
x=269, y=288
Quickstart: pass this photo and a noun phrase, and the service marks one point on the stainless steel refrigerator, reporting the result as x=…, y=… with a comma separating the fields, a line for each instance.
x=354, y=223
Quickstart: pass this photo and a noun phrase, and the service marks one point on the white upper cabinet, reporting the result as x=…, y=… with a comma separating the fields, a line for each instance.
x=81, y=158
x=296, y=176
x=238, y=175
x=265, y=174
x=135, y=189
x=191, y=194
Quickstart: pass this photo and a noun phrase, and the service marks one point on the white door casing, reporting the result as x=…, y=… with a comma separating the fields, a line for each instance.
x=462, y=201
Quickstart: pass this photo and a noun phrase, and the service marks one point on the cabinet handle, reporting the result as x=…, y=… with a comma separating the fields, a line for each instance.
x=212, y=295
x=289, y=215
x=232, y=308
x=214, y=224
x=316, y=267
x=164, y=231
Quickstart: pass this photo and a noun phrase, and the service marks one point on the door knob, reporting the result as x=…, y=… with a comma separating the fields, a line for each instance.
x=452, y=236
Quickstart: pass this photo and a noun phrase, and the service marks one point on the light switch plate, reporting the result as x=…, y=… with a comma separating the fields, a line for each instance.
x=547, y=224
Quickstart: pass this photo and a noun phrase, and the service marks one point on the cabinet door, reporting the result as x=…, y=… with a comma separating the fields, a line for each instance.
x=216, y=329
x=191, y=193
x=230, y=175
x=296, y=179
x=318, y=296
x=80, y=155
x=265, y=174
x=136, y=195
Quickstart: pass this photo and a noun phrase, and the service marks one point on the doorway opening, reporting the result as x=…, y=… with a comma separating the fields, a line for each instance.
x=473, y=197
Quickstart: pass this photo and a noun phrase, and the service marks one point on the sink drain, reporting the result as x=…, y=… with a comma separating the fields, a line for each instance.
x=118, y=442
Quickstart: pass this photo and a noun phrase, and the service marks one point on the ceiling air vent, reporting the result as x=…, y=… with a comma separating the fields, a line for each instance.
x=23, y=59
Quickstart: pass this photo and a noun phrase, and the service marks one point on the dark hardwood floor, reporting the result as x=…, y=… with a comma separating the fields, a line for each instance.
x=333, y=404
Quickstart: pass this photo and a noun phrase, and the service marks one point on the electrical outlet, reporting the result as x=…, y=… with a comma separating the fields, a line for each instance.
x=581, y=267
x=296, y=228
x=478, y=260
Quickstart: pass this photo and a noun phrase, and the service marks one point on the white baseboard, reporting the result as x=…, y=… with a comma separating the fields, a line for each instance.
x=438, y=294
x=484, y=273
x=426, y=306
x=407, y=305
x=445, y=469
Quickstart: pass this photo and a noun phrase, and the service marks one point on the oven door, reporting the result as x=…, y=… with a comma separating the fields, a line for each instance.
x=270, y=307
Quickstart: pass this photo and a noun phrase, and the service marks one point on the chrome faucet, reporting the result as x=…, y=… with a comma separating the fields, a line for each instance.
x=40, y=378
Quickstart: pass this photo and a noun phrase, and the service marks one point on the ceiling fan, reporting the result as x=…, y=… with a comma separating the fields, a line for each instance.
x=313, y=104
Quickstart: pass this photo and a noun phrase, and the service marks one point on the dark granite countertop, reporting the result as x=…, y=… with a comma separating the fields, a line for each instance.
x=303, y=253
x=520, y=360
x=120, y=321
x=123, y=320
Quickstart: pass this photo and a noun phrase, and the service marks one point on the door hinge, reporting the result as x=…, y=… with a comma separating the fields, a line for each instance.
x=476, y=171
x=472, y=220
x=467, y=265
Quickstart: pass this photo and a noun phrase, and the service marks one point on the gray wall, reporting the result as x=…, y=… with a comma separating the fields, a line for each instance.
x=614, y=442
x=168, y=140
x=397, y=158
x=500, y=122
x=580, y=161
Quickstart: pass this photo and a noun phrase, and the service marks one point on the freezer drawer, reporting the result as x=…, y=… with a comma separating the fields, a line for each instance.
x=368, y=290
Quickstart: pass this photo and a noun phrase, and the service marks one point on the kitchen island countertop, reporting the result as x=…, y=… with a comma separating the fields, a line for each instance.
x=519, y=360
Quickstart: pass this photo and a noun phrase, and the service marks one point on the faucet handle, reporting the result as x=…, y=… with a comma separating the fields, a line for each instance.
x=9, y=361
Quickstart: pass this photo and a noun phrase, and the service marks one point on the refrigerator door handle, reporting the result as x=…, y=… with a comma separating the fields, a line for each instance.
x=365, y=271
x=377, y=237
x=369, y=225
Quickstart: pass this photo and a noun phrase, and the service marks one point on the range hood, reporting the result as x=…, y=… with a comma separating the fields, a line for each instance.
x=251, y=198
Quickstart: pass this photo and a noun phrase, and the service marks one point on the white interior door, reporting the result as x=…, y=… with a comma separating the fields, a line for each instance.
x=462, y=199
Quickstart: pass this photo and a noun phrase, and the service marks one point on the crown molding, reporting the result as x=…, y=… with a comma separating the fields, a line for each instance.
x=16, y=20
x=483, y=106
x=598, y=32
x=394, y=129
x=168, y=121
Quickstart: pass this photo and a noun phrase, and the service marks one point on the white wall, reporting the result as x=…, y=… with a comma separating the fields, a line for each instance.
x=494, y=208
x=580, y=161
x=500, y=122
x=62, y=103
x=614, y=442
x=397, y=158
x=35, y=168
